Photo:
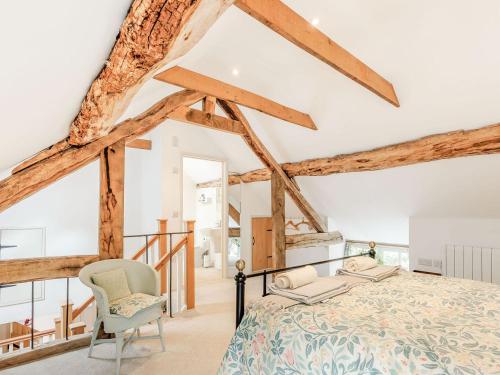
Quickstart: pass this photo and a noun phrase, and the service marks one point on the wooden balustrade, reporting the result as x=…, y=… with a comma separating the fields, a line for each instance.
x=190, y=272
x=162, y=247
x=24, y=341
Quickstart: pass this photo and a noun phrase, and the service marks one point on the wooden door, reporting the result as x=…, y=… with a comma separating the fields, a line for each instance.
x=262, y=246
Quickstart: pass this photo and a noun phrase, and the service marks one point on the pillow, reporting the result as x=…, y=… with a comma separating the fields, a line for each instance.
x=113, y=282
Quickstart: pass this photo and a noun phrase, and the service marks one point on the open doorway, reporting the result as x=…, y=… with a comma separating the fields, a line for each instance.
x=204, y=200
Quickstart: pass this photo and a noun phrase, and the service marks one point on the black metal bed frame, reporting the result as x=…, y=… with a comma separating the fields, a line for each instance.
x=240, y=278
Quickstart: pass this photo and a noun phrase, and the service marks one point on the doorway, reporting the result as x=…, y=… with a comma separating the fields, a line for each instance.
x=204, y=200
x=262, y=248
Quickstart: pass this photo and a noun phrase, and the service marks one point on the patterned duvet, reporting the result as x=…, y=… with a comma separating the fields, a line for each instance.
x=407, y=324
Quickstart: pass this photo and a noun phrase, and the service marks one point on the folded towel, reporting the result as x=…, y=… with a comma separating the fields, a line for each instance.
x=317, y=291
x=358, y=264
x=374, y=274
x=296, y=278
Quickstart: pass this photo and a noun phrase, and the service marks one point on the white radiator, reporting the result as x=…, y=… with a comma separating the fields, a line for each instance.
x=472, y=262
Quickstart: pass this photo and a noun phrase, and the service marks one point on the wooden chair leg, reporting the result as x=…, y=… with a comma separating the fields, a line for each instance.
x=160, y=333
x=119, y=348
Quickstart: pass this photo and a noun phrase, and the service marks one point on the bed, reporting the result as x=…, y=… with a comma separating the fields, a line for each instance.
x=406, y=324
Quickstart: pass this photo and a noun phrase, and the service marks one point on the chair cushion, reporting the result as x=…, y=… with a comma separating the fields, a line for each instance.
x=113, y=282
x=129, y=306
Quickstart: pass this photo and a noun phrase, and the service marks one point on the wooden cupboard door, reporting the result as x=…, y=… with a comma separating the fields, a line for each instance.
x=262, y=234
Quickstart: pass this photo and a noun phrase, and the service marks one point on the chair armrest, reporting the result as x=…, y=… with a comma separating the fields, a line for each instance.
x=144, y=280
x=102, y=301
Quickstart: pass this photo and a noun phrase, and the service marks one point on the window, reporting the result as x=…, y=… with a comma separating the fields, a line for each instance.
x=387, y=254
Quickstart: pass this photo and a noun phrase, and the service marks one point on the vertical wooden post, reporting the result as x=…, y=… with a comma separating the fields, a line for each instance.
x=65, y=317
x=190, y=287
x=112, y=171
x=278, y=211
x=209, y=104
x=162, y=246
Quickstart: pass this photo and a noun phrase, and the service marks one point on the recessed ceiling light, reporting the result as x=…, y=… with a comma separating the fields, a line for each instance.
x=235, y=72
x=315, y=21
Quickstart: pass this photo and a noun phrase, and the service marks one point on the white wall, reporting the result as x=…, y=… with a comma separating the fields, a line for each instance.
x=429, y=236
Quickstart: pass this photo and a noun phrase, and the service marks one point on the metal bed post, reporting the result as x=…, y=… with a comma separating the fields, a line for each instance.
x=372, y=251
x=240, y=291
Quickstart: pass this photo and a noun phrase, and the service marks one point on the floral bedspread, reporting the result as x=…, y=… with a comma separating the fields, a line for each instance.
x=407, y=324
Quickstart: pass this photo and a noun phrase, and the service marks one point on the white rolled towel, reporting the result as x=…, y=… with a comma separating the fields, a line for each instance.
x=296, y=278
x=358, y=264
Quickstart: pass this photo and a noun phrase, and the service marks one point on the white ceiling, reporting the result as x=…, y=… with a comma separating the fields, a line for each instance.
x=442, y=57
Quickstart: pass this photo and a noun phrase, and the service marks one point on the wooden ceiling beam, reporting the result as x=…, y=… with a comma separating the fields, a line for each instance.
x=46, y=171
x=23, y=270
x=293, y=27
x=207, y=120
x=142, y=144
x=44, y=154
x=301, y=240
x=455, y=144
x=234, y=214
x=154, y=33
x=195, y=81
x=265, y=156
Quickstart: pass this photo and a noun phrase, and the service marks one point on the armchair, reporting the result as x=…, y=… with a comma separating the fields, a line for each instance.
x=141, y=278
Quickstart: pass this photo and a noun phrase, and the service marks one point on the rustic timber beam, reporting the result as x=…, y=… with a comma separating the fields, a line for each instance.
x=44, y=154
x=32, y=269
x=278, y=219
x=456, y=144
x=297, y=241
x=153, y=33
x=142, y=144
x=234, y=214
x=207, y=120
x=265, y=156
x=111, y=202
x=293, y=27
x=195, y=81
x=44, y=172
x=208, y=184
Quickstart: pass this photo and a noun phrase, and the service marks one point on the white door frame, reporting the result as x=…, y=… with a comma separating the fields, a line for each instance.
x=225, y=204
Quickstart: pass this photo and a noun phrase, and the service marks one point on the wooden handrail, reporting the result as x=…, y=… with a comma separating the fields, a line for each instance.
x=163, y=260
x=78, y=311
x=13, y=340
x=142, y=250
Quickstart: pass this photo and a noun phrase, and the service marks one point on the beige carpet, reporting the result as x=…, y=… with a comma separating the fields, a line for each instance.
x=196, y=340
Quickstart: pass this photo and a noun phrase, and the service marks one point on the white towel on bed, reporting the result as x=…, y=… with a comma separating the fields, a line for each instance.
x=296, y=278
x=358, y=264
x=317, y=291
x=374, y=274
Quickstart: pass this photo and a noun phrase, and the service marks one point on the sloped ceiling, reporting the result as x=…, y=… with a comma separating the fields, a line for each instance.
x=442, y=58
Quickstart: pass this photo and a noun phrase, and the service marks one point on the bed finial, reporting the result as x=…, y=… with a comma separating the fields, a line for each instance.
x=372, y=251
x=240, y=291
x=240, y=265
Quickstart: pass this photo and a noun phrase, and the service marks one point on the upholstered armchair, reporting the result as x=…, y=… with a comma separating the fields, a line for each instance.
x=121, y=308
